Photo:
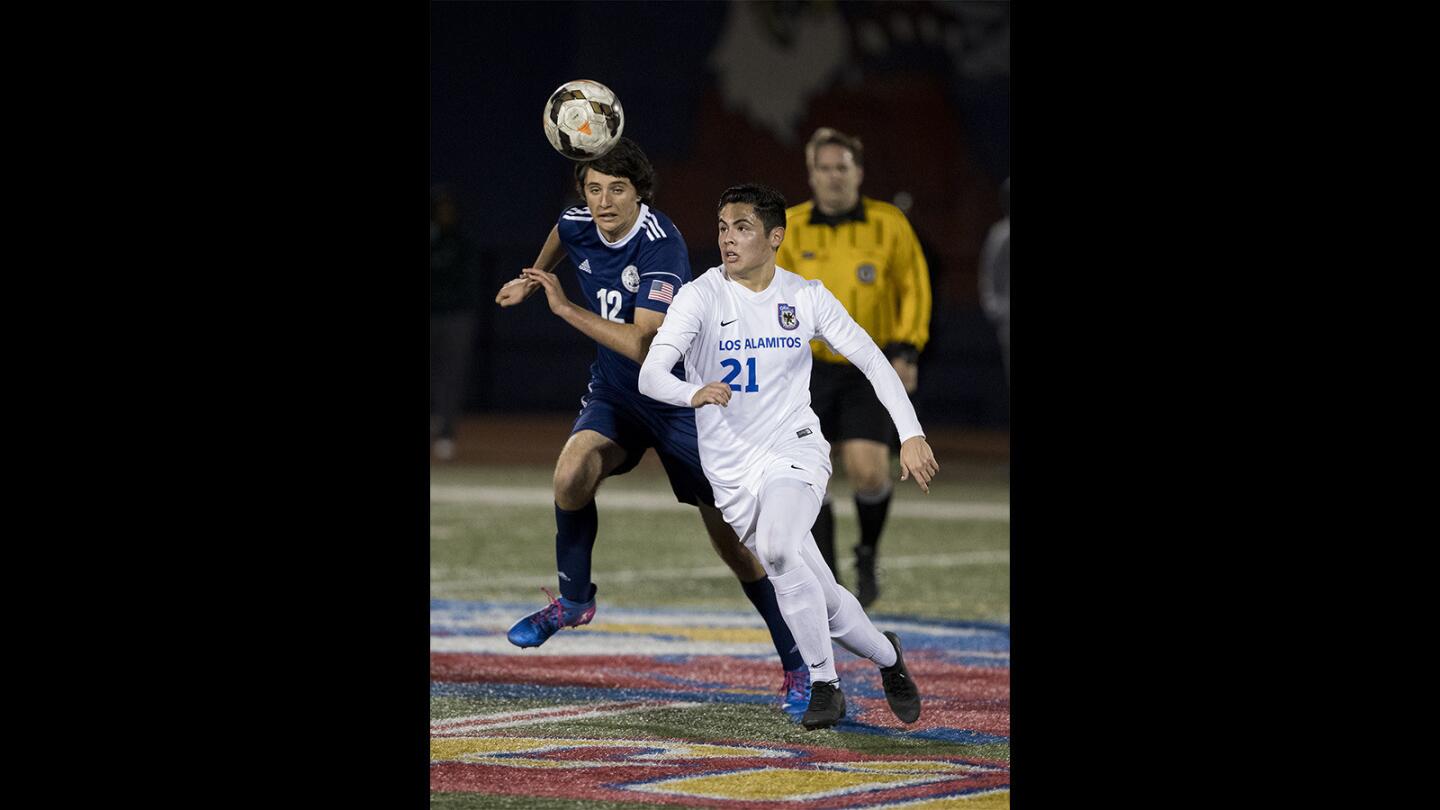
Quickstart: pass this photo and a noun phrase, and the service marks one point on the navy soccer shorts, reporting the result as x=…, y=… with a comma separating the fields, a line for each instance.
x=637, y=423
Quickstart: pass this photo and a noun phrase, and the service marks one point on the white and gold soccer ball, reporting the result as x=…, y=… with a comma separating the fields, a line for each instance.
x=583, y=119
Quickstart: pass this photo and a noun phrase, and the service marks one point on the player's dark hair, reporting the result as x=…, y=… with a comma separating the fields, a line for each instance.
x=625, y=159
x=825, y=136
x=769, y=203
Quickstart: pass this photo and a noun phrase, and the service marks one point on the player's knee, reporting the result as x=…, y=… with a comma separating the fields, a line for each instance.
x=775, y=557
x=775, y=565
x=869, y=474
x=872, y=489
x=574, y=486
x=871, y=483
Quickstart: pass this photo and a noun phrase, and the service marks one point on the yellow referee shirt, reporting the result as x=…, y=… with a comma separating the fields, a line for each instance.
x=871, y=260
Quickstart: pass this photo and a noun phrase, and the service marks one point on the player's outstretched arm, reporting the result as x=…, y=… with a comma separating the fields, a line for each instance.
x=518, y=289
x=629, y=339
x=918, y=461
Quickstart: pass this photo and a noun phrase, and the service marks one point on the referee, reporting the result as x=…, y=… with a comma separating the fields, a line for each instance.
x=866, y=253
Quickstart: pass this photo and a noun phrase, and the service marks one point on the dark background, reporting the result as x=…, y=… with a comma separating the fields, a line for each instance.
x=719, y=94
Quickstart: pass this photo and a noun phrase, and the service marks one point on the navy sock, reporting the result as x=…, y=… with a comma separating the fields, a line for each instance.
x=574, y=541
x=762, y=596
x=824, y=532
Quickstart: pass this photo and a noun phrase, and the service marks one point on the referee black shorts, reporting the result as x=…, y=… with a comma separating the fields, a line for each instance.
x=847, y=406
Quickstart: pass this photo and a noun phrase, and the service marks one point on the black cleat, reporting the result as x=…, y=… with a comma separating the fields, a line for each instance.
x=827, y=705
x=869, y=591
x=900, y=691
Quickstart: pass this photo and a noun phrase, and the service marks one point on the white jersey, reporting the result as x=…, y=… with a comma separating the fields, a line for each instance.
x=759, y=343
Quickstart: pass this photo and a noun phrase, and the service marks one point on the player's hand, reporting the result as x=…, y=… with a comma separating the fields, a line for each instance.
x=715, y=393
x=515, y=291
x=916, y=459
x=554, y=293
x=909, y=373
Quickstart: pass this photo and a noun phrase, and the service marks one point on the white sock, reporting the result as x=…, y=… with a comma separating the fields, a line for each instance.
x=799, y=596
x=847, y=620
x=788, y=507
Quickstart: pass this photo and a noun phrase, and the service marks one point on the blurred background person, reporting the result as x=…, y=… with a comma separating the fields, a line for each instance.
x=866, y=253
x=995, y=276
x=455, y=297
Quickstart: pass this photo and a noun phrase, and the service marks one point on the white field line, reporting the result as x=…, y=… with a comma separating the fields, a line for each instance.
x=665, y=502
x=463, y=726
x=959, y=559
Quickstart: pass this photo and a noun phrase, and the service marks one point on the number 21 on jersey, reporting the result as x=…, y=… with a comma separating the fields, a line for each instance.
x=734, y=366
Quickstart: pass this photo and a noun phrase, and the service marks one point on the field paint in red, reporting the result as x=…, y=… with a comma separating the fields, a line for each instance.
x=954, y=695
x=610, y=784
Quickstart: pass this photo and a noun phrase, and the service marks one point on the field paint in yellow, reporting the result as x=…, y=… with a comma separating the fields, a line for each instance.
x=784, y=784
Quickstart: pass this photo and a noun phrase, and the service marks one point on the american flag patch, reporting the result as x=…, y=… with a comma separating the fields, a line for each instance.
x=661, y=291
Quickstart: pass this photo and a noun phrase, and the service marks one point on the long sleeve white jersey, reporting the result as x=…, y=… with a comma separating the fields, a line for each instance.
x=759, y=343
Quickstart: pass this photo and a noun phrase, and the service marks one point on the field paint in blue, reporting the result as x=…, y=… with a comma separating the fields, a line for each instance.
x=988, y=637
x=958, y=735
x=585, y=694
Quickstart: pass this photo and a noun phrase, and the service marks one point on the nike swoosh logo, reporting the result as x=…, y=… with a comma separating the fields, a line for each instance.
x=822, y=662
x=793, y=467
x=727, y=323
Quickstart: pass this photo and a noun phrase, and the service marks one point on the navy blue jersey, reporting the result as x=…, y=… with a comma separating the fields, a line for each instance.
x=645, y=268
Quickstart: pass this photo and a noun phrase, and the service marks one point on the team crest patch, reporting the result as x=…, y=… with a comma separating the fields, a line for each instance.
x=788, y=319
x=630, y=277
x=866, y=273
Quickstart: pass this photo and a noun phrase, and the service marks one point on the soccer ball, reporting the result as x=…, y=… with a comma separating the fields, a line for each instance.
x=583, y=119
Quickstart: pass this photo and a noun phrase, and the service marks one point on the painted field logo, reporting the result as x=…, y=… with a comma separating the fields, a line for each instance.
x=681, y=709
x=706, y=774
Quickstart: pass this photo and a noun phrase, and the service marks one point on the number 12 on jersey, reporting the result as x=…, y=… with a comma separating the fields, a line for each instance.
x=610, y=304
x=734, y=366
